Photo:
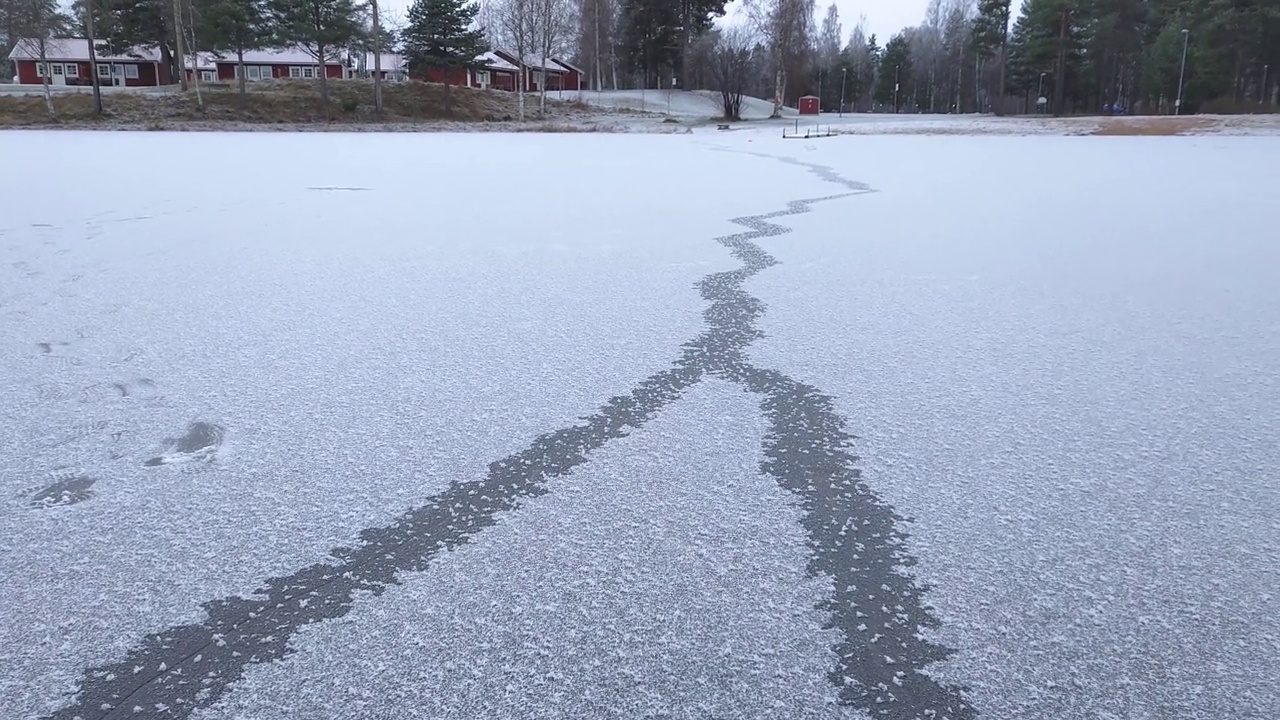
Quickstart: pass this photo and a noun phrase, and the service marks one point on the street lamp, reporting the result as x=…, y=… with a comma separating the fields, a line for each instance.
x=819, y=91
x=896, y=68
x=1040, y=91
x=844, y=72
x=1186, y=37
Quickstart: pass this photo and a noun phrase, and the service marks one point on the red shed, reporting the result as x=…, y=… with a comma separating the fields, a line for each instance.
x=810, y=105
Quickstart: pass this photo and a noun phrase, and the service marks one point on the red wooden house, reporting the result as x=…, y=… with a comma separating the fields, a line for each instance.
x=489, y=71
x=500, y=70
x=292, y=63
x=67, y=63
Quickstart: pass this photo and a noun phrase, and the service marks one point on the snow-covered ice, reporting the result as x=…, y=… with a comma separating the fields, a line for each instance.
x=1056, y=357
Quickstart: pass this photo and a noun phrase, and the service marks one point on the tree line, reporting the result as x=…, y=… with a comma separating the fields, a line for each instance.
x=1058, y=56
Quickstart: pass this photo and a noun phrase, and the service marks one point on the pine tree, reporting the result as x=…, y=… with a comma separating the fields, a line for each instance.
x=439, y=36
x=895, y=68
x=991, y=37
x=234, y=26
x=319, y=27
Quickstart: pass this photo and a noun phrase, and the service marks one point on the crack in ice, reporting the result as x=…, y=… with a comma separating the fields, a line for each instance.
x=852, y=535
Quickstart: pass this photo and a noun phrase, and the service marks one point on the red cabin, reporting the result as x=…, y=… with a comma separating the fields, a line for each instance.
x=810, y=105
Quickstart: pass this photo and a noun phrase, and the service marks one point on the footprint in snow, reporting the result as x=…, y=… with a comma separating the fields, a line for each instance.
x=68, y=490
x=200, y=444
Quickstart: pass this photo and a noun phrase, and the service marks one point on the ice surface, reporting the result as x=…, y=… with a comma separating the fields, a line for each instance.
x=1058, y=356
x=1061, y=356
x=664, y=579
x=361, y=347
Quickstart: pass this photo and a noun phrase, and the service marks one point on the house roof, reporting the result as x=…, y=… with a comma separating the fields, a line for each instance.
x=390, y=61
x=204, y=61
x=567, y=65
x=531, y=61
x=495, y=61
x=274, y=56
x=77, y=49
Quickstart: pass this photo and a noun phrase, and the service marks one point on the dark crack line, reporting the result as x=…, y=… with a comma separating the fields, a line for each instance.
x=852, y=534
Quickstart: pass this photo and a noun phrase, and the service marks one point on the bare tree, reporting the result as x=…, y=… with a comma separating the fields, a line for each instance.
x=788, y=29
x=554, y=24
x=34, y=23
x=596, y=38
x=377, y=59
x=728, y=62
x=516, y=30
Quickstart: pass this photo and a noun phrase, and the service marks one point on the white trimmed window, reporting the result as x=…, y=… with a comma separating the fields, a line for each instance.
x=73, y=70
x=482, y=77
x=208, y=76
x=104, y=70
x=295, y=71
x=39, y=69
x=264, y=72
x=131, y=71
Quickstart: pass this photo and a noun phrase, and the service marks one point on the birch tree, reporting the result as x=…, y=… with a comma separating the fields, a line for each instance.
x=597, y=41
x=35, y=23
x=788, y=29
x=553, y=29
x=517, y=32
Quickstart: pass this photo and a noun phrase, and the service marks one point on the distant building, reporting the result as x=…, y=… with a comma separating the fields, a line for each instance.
x=500, y=70
x=394, y=66
x=265, y=65
x=67, y=63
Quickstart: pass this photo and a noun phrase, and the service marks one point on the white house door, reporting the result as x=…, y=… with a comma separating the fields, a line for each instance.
x=117, y=75
x=57, y=78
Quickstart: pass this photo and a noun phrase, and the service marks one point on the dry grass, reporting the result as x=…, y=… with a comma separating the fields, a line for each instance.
x=1151, y=126
x=284, y=102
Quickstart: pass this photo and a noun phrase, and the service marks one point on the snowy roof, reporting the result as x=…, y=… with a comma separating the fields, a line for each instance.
x=277, y=56
x=78, y=49
x=567, y=65
x=530, y=61
x=390, y=61
x=204, y=61
x=494, y=61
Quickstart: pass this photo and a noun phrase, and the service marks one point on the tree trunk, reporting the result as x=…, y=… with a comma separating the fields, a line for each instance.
x=520, y=95
x=1060, y=83
x=93, y=60
x=240, y=75
x=324, y=81
x=377, y=63
x=1004, y=67
x=44, y=78
x=779, y=89
x=179, y=51
x=542, y=89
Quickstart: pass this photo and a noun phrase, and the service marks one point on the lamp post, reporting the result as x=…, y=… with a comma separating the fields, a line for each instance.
x=1186, y=37
x=896, y=85
x=844, y=72
x=1040, y=90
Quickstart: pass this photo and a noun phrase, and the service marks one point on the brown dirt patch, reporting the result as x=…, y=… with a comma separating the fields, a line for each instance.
x=1153, y=126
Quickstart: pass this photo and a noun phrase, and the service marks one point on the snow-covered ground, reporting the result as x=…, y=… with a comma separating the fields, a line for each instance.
x=689, y=105
x=506, y=426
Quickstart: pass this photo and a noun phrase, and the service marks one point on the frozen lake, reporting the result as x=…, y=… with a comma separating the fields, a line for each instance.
x=609, y=426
